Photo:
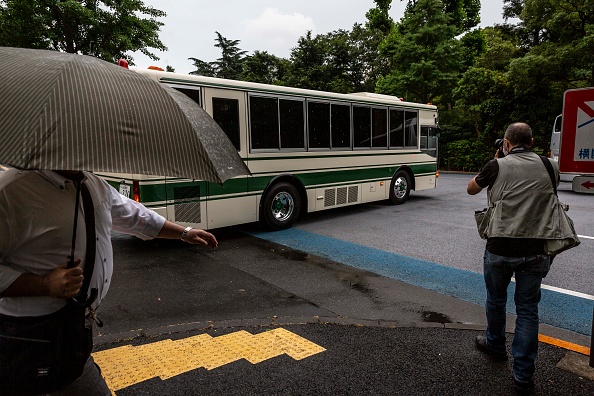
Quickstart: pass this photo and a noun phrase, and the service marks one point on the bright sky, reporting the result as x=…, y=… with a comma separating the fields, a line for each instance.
x=264, y=25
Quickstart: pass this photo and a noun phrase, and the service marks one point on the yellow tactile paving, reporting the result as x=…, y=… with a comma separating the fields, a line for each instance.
x=128, y=365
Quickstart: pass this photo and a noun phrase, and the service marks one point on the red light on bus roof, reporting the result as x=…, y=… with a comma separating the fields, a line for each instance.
x=123, y=62
x=155, y=68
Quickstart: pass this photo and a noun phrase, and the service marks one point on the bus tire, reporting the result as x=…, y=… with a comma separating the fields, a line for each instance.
x=280, y=207
x=400, y=188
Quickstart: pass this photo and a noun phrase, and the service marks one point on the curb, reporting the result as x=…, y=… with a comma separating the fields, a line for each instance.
x=102, y=339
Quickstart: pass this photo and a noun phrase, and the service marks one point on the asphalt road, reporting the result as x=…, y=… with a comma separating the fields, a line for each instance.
x=438, y=226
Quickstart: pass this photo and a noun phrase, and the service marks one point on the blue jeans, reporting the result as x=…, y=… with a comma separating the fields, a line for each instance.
x=529, y=272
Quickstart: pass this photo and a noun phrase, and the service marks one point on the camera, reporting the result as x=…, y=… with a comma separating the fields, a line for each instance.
x=499, y=146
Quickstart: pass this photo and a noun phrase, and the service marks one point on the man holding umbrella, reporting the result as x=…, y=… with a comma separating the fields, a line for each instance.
x=78, y=113
x=35, y=229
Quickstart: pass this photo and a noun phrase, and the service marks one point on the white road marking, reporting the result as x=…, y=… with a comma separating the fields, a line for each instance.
x=570, y=292
x=564, y=291
x=586, y=237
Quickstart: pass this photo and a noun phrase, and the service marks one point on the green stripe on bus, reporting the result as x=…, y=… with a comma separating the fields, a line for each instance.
x=256, y=184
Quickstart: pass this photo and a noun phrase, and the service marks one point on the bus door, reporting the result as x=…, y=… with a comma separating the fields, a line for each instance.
x=186, y=199
x=231, y=202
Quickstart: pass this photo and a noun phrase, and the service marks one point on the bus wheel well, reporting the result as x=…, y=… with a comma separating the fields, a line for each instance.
x=293, y=181
x=410, y=175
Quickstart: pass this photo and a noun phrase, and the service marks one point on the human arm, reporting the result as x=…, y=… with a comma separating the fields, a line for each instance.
x=485, y=178
x=473, y=188
x=194, y=236
x=134, y=218
x=62, y=282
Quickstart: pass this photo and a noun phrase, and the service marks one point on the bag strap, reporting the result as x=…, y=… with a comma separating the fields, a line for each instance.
x=89, y=209
x=549, y=167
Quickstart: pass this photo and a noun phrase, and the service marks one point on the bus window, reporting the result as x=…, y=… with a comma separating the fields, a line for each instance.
x=410, y=121
x=193, y=94
x=292, y=124
x=362, y=126
x=340, y=125
x=379, y=131
x=226, y=113
x=318, y=116
x=429, y=140
x=396, y=128
x=264, y=123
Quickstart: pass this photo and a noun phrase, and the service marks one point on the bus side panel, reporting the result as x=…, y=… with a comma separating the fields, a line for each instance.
x=230, y=203
x=424, y=182
x=374, y=191
x=231, y=211
x=186, y=202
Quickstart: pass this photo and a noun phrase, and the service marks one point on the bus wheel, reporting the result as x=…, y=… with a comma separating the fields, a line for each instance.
x=400, y=188
x=281, y=206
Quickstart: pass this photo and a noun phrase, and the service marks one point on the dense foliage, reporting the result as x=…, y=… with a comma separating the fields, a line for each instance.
x=108, y=29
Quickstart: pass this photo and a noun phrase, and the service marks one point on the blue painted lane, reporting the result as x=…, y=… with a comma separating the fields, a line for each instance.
x=556, y=309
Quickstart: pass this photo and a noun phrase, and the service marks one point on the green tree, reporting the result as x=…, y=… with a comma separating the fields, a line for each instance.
x=378, y=17
x=107, y=29
x=229, y=65
x=309, y=67
x=484, y=94
x=263, y=67
x=203, y=68
x=425, y=56
x=340, y=61
x=464, y=14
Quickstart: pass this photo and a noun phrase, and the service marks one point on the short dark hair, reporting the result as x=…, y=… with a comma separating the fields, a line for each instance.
x=519, y=133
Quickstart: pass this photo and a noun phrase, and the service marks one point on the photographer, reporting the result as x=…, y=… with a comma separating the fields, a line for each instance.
x=520, y=193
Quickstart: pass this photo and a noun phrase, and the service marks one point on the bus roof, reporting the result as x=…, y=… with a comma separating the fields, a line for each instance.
x=362, y=97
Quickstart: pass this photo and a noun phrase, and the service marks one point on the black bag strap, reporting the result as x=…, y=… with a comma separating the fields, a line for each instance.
x=89, y=209
x=549, y=167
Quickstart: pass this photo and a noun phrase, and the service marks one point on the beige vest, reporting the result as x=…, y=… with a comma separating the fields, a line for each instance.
x=523, y=200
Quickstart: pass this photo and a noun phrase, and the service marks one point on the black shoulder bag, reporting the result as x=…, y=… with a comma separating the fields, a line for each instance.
x=42, y=354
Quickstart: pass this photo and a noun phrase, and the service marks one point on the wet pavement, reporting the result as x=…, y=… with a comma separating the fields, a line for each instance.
x=365, y=359
x=368, y=334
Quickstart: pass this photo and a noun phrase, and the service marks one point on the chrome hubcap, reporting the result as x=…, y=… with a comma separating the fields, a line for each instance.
x=282, y=206
x=400, y=187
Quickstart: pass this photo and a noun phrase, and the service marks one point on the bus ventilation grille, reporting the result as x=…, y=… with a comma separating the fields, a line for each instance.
x=187, y=204
x=341, y=196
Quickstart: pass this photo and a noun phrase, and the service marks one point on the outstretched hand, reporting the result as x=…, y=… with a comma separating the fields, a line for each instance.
x=201, y=237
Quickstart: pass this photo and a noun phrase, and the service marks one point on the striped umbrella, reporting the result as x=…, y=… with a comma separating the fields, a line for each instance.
x=72, y=112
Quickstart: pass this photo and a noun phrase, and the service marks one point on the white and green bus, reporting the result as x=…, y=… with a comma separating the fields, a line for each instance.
x=307, y=151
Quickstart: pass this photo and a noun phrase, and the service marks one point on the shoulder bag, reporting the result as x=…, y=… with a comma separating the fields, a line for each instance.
x=567, y=237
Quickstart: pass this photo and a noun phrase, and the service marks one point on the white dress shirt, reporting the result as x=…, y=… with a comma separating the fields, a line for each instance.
x=36, y=224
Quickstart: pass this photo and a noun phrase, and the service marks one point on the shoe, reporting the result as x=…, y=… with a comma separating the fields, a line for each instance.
x=523, y=388
x=483, y=346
